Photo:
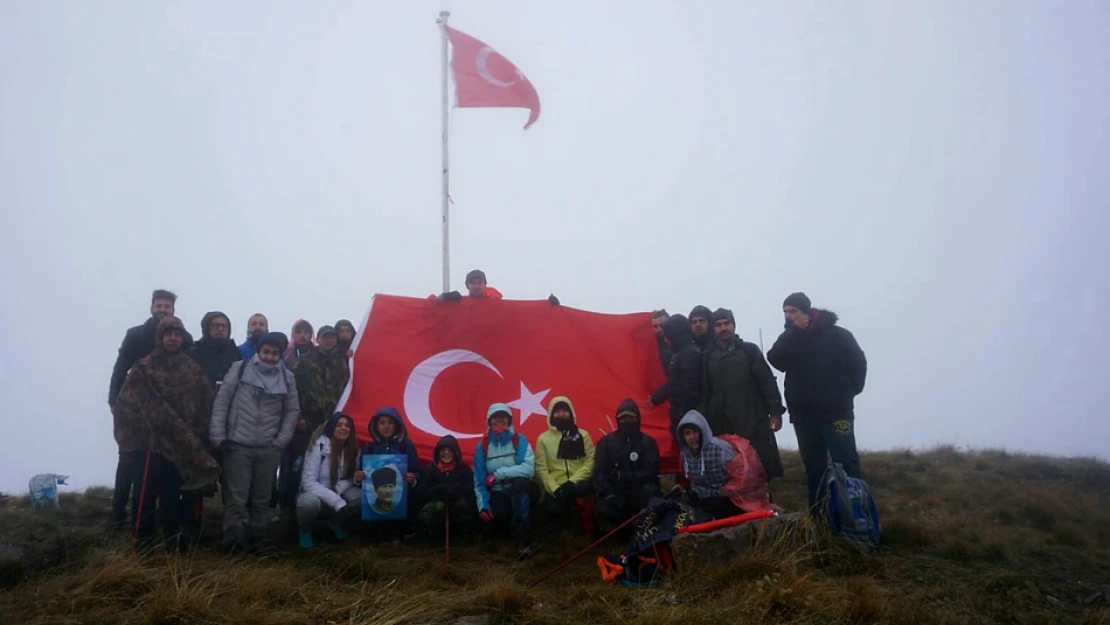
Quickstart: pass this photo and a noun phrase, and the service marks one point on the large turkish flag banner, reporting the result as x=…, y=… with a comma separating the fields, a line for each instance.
x=442, y=363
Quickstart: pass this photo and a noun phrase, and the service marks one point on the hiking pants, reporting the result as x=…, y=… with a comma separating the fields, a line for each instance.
x=628, y=500
x=433, y=516
x=583, y=499
x=310, y=507
x=121, y=492
x=817, y=441
x=157, y=494
x=514, y=504
x=247, y=479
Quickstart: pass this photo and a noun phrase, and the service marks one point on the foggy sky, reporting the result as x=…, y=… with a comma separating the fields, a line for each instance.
x=935, y=172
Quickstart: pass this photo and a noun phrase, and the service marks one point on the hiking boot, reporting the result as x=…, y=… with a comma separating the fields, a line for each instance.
x=525, y=552
x=337, y=529
x=306, y=539
x=232, y=548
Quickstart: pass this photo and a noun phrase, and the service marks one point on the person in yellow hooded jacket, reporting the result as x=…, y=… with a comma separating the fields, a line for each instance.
x=565, y=466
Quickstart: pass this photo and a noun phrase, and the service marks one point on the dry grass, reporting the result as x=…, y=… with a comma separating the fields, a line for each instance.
x=969, y=537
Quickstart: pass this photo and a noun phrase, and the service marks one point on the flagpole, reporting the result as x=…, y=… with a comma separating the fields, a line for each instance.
x=442, y=21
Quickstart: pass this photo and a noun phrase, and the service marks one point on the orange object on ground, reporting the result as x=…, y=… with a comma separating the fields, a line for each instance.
x=732, y=521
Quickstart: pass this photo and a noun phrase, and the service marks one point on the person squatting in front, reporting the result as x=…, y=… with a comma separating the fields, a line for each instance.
x=626, y=468
x=253, y=419
x=504, y=466
x=705, y=461
x=322, y=374
x=388, y=436
x=446, y=492
x=163, y=411
x=565, y=467
x=331, y=479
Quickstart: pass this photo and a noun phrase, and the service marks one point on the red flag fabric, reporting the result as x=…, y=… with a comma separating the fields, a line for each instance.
x=442, y=363
x=484, y=78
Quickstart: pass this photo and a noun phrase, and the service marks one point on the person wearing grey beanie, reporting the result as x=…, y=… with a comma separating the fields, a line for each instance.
x=825, y=370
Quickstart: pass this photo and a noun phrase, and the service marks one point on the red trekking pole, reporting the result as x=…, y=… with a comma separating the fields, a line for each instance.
x=583, y=552
x=142, y=501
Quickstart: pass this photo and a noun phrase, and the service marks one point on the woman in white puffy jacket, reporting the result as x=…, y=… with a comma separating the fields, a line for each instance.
x=331, y=480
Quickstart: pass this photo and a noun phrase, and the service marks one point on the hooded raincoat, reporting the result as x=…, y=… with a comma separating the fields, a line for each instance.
x=399, y=443
x=708, y=468
x=554, y=471
x=507, y=455
x=165, y=407
x=215, y=357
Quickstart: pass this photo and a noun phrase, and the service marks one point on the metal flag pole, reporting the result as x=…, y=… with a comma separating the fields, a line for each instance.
x=442, y=21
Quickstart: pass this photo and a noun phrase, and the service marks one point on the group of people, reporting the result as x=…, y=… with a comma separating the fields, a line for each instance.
x=261, y=419
x=718, y=384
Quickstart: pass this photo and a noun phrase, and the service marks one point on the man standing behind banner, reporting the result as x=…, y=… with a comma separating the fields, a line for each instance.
x=683, y=385
x=658, y=318
x=700, y=319
x=739, y=393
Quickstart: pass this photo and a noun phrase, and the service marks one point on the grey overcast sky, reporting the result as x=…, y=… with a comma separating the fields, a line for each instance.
x=935, y=172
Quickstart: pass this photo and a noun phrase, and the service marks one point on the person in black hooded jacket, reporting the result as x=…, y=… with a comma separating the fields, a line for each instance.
x=825, y=370
x=626, y=468
x=683, y=387
x=215, y=352
x=701, y=321
x=447, y=488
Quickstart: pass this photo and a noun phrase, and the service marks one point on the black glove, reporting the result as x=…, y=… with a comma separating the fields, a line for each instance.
x=554, y=300
x=565, y=493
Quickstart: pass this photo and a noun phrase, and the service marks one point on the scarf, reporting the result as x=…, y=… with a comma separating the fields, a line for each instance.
x=269, y=378
x=446, y=468
x=571, y=445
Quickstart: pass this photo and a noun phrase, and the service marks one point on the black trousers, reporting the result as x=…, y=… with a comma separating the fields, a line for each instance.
x=819, y=440
x=630, y=499
x=121, y=492
x=156, y=495
x=514, y=504
x=554, y=508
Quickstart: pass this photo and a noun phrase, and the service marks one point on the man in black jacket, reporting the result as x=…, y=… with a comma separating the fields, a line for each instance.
x=825, y=370
x=215, y=352
x=626, y=468
x=137, y=343
x=700, y=320
x=683, y=385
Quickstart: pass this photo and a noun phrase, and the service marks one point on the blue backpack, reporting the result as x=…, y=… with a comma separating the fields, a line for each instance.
x=846, y=505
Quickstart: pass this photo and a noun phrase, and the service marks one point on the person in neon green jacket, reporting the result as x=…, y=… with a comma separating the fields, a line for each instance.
x=565, y=466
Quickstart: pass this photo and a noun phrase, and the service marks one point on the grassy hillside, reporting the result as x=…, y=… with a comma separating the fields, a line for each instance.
x=981, y=537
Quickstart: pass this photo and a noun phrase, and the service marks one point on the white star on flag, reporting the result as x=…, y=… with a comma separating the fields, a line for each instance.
x=529, y=403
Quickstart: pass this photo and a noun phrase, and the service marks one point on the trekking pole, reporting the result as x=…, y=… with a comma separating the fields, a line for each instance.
x=142, y=501
x=583, y=552
x=447, y=529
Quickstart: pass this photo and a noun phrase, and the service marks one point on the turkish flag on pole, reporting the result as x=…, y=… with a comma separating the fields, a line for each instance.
x=484, y=78
x=441, y=364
